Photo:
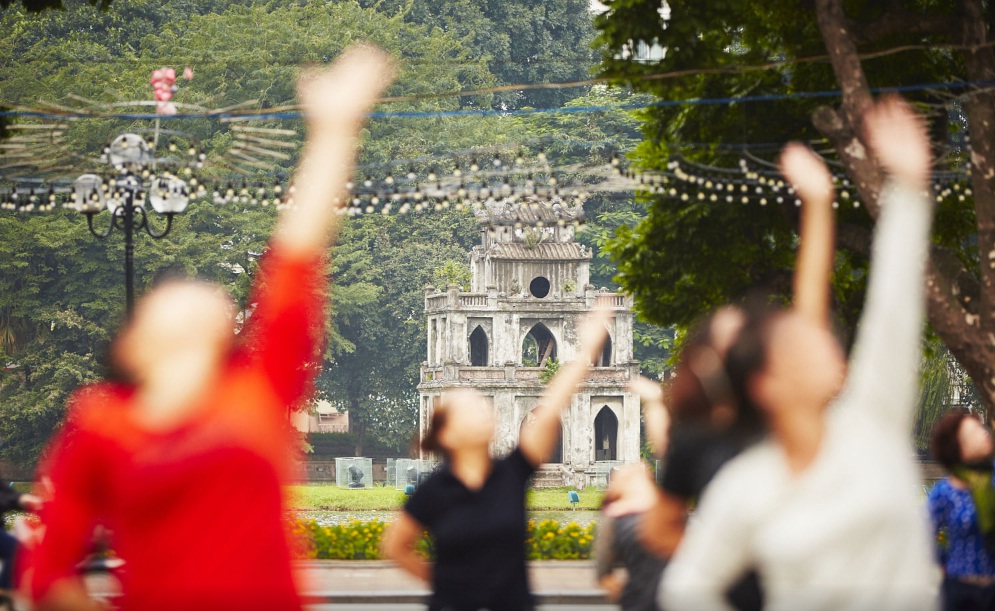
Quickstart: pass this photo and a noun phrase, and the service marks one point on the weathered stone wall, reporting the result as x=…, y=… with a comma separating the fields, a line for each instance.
x=506, y=306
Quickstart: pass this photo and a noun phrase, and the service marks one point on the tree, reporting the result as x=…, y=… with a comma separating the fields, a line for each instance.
x=522, y=41
x=63, y=298
x=375, y=372
x=36, y=6
x=581, y=140
x=683, y=260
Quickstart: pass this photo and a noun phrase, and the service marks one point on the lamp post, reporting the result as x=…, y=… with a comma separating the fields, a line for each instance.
x=124, y=196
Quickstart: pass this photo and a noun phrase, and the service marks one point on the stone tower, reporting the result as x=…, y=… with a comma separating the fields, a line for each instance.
x=530, y=288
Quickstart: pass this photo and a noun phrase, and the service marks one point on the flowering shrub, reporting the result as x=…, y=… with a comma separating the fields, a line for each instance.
x=355, y=540
x=548, y=540
x=360, y=540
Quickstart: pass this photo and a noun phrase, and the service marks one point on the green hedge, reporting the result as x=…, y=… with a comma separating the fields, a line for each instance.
x=330, y=445
x=359, y=540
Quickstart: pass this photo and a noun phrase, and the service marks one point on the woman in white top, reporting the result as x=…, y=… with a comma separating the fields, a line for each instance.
x=826, y=507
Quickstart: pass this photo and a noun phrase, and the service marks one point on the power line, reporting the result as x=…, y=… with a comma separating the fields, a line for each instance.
x=483, y=112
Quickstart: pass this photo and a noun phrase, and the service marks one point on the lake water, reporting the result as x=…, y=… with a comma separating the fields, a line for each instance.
x=329, y=518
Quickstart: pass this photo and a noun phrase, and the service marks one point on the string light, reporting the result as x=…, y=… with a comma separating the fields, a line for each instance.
x=514, y=184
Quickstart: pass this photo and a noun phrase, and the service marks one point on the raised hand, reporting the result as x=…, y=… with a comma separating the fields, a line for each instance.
x=655, y=415
x=335, y=101
x=898, y=136
x=593, y=331
x=807, y=173
x=346, y=91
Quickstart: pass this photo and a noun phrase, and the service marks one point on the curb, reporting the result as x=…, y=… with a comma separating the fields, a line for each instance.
x=577, y=597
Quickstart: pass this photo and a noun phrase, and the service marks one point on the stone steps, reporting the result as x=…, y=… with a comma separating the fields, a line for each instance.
x=548, y=476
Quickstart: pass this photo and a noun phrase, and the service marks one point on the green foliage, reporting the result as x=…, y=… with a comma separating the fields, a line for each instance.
x=683, y=259
x=941, y=382
x=587, y=138
x=549, y=370
x=62, y=296
x=326, y=446
x=374, y=364
x=35, y=6
x=452, y=273
x=522, y=41
x=934, y=393
x=530, y=352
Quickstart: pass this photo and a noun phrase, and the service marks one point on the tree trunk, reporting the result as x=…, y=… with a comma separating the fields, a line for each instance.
x=980, y=108
x=960, y=306
x=357, y=427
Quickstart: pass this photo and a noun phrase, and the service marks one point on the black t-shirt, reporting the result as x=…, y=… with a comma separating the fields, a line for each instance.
x=695, y=453
x=479, y=537
x=10, y=499
x=644, y=568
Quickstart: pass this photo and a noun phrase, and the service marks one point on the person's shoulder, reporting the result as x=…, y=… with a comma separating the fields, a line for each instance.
x=940, y=489
x=515, y=461
x=430, y=497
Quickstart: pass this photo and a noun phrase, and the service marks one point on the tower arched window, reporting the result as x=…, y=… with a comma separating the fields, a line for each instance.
x=538, y=346
x=478, y=348
x=605, y=358
x=605, y=435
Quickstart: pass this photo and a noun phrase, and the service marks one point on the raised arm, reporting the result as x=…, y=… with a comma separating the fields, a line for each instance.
x=539, y=438
x=813, y=184
x=335, y=102
x=881, y=381
x=656, y=417
x=285, y=330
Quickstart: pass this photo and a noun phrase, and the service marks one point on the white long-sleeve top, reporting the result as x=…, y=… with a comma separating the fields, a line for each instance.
x=848, y=532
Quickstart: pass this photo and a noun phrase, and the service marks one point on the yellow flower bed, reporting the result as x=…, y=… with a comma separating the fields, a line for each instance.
x=360, y=540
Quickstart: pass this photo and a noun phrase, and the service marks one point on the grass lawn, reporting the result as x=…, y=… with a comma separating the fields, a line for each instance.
x=555, y=499
x=327, y=497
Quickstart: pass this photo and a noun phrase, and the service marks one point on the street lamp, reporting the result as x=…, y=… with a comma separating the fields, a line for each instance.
x=124, y=196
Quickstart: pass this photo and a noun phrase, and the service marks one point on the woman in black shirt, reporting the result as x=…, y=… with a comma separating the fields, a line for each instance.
x=474, y=506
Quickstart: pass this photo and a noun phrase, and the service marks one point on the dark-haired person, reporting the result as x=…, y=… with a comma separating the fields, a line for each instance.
x=826, y=508
x=12, y=500
x=707, y=429
x=474, y=505
x=962, y=508
x=618, y=546
x=186, y=461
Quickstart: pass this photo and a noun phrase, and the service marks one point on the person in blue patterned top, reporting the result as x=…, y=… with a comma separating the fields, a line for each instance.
x=962, y=510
